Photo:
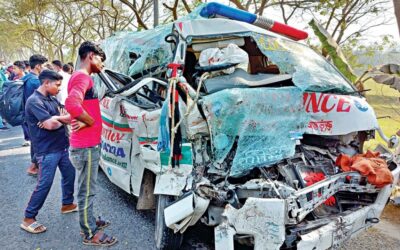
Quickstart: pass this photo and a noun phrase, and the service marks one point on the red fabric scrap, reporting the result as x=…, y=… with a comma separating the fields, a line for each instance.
x=311, y=178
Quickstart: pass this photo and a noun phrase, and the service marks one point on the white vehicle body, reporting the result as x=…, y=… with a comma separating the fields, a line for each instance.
x=269, y=209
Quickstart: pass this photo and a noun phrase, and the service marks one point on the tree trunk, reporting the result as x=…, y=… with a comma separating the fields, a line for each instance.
x=396, y=4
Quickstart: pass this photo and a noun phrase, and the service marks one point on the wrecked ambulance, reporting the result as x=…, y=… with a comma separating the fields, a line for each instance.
x=248, y=147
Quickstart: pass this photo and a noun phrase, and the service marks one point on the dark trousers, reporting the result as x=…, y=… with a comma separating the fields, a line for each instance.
x=26, y=131
x=27, y=138
x=47, y=169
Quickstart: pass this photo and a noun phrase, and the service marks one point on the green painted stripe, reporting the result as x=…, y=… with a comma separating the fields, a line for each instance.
x=85, y=208
x=186, y=156
x=147, y=139
x=115, y=123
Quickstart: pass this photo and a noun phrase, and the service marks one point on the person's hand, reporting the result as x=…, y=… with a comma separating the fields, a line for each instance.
x=398, y=133
x=77, y=125
x=62, y=111
x=40, y=124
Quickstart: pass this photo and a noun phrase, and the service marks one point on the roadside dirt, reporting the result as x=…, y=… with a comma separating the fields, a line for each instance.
x=385, y=235
x=391, y=213
x=390, y=222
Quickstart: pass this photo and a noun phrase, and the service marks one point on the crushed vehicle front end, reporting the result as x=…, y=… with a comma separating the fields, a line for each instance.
x=301, y=199
x=271, y=176
x=262, y=153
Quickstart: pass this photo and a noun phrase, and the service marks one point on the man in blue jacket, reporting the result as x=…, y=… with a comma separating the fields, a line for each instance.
x=31, y=83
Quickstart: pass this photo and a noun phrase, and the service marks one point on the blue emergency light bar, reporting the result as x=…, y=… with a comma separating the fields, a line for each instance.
x=216, y=9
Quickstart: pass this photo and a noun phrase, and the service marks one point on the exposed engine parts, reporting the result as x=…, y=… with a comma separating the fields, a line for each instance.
x=313, y=187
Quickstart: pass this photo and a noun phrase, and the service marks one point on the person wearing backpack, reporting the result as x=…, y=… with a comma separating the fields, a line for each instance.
x=18, y=73
x=10, y=72
x=19, y=70
x=31, y=83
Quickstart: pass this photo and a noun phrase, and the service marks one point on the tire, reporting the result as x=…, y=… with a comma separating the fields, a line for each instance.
x=165, y=238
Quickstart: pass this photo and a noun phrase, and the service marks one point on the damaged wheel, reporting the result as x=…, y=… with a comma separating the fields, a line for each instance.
x=164, y=236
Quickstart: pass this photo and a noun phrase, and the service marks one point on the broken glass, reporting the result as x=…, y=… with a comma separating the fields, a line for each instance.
x=140, y=52
x=261, y=121
x=310, y=71
x=143, y=52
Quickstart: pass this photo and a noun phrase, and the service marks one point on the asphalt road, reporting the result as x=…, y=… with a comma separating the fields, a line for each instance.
x=134, y=229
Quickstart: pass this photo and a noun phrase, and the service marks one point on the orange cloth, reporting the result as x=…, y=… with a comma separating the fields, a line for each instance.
x=369, y=165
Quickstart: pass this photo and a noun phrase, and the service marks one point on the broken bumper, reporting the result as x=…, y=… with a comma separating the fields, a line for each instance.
x=265, y=219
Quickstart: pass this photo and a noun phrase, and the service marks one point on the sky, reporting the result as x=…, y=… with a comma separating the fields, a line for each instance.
x=374, y=34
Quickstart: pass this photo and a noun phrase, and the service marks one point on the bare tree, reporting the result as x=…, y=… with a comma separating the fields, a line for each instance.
x=173, y=9
x=180, y=7
x=56, y=28
x=339, y=17
x=141, y=11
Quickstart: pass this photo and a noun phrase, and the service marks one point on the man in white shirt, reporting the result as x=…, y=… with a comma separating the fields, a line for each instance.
x=62, y=70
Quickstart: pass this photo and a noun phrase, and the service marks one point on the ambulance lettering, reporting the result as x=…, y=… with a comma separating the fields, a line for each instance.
x=318, y=102
x=112, y=136
x=123, y=113
x=105, y=103
x=118, y=152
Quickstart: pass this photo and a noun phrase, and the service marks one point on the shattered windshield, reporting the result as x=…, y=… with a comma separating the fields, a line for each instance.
x=260, y=121
x=310, y=71
x=141, y=53
x=138, y=53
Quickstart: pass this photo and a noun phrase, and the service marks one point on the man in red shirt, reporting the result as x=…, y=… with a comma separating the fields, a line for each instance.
x=83, y=105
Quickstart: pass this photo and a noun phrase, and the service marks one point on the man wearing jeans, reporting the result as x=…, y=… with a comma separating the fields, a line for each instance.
x=83, y=105
x=45, y=119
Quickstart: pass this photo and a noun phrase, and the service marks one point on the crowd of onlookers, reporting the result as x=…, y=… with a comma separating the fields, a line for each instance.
x=27, y=70
x=18, y=69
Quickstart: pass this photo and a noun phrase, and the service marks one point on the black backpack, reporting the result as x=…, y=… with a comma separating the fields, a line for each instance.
x=12, y=105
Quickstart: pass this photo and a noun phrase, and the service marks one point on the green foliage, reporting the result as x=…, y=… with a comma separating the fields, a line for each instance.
x=363, y=56
x=385, y=102
x=333, y=51
x=56, y=28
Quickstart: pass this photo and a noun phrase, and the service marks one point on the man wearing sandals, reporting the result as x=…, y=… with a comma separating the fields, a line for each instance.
x=45, y=119
x=83, y=105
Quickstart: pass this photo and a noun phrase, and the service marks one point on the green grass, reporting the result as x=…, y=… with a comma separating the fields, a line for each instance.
x=386, y=102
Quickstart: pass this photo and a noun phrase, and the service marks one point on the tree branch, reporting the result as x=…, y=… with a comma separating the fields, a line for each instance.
x=138, y=17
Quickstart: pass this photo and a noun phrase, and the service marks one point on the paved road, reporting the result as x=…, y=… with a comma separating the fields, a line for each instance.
x=135, y=230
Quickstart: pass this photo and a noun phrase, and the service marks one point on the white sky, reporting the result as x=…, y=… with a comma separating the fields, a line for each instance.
x=374, y=34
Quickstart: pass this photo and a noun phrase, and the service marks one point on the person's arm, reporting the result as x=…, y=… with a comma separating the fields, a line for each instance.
x=46, y=121
x=85, y=118
x=64, y=119
x=74, y=101
x=51, y=124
